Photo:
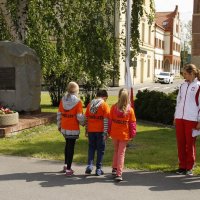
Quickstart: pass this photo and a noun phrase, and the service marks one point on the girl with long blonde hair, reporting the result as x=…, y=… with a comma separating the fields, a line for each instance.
x=122, y=128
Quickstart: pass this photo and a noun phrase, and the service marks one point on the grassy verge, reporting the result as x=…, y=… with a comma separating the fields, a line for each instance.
x=154, y=148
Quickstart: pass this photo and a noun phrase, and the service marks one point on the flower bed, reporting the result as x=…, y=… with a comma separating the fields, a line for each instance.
x=8, y=117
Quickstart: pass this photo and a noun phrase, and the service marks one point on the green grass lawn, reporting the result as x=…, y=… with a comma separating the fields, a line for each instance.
x=154, y=147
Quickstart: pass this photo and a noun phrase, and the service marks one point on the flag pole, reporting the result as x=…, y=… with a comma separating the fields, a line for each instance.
x=128, y=38
x=128, y=80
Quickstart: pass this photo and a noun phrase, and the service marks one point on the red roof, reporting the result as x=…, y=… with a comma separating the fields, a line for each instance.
x=165, y=19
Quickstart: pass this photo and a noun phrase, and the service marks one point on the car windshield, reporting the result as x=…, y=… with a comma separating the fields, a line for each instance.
x=164, y=74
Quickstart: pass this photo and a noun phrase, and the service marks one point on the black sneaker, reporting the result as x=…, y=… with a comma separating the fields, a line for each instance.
x=181, y=171
x=114, y=171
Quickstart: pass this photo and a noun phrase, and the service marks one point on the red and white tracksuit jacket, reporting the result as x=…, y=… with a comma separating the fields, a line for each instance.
x=188, y=101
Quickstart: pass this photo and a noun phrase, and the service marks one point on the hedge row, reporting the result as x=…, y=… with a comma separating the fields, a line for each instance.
x=155, y=106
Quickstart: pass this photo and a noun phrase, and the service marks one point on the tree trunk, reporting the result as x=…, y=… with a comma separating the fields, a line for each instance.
x=8, y=19
x=22, y=18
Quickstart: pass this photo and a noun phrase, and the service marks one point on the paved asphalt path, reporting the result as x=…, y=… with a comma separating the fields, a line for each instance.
x=35, y=179
x=166, y=88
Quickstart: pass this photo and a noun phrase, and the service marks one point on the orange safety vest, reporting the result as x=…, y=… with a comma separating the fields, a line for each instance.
x=95, y=122
x=69, y=117
x=120, y=124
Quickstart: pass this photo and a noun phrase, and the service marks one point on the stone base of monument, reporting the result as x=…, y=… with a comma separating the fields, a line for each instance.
x=9, y=119
x=27, y=121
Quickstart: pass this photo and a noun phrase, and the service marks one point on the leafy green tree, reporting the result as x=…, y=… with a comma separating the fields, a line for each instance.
x=96, y=44
x=186, y=35
x=186, y=41
x=46, y=36
x=75, y=39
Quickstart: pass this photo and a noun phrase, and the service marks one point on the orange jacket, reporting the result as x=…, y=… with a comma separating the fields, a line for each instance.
x=95, y=122
x=69, y=117
x=120, y=123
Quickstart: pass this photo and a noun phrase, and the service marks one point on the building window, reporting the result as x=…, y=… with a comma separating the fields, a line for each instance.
x=148, y=68
x=134, y=72
x=149, y=39
x=165, y=24
x=177, y=29
x=155, y=64
x=160, y=44
x=157, y=43
x=143, y=32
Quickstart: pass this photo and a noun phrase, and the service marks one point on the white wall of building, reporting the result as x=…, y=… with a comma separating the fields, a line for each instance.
x=144, y=71
x=159, y=58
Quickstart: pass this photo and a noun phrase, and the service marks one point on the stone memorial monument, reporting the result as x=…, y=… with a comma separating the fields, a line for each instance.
x=196, y=34
x=20, y=77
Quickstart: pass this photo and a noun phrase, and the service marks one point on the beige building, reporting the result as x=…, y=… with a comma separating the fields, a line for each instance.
x=159, y=46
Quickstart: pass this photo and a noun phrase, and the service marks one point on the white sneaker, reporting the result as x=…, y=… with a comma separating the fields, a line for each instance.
x=118, y=178
x=69, y=172
x=189, y=173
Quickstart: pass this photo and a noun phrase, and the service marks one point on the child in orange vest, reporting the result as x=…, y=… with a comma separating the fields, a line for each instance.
x=122, y=128
x=97, y=114
x=69, y=116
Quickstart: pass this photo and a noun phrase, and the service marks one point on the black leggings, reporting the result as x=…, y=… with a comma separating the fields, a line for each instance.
x=69, y=152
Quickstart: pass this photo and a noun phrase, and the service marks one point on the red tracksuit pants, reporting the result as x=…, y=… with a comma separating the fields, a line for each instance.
x=185, y=143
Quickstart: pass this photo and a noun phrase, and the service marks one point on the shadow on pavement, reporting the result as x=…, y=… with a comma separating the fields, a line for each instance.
x=154, y=180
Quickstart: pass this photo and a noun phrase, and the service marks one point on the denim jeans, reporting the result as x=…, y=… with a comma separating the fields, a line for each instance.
x=96, y=143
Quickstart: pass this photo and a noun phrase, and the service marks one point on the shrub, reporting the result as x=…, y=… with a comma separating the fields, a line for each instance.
x=155, y=106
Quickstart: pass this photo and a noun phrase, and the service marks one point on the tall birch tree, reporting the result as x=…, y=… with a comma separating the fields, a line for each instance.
x=15, y=14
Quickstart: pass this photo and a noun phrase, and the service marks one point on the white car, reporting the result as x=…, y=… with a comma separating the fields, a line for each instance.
x=164, y=77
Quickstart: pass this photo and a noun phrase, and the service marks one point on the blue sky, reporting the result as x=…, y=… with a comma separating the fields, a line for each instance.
x=185, y=7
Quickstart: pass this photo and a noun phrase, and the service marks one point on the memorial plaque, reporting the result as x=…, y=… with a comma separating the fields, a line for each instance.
x=7, y=78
